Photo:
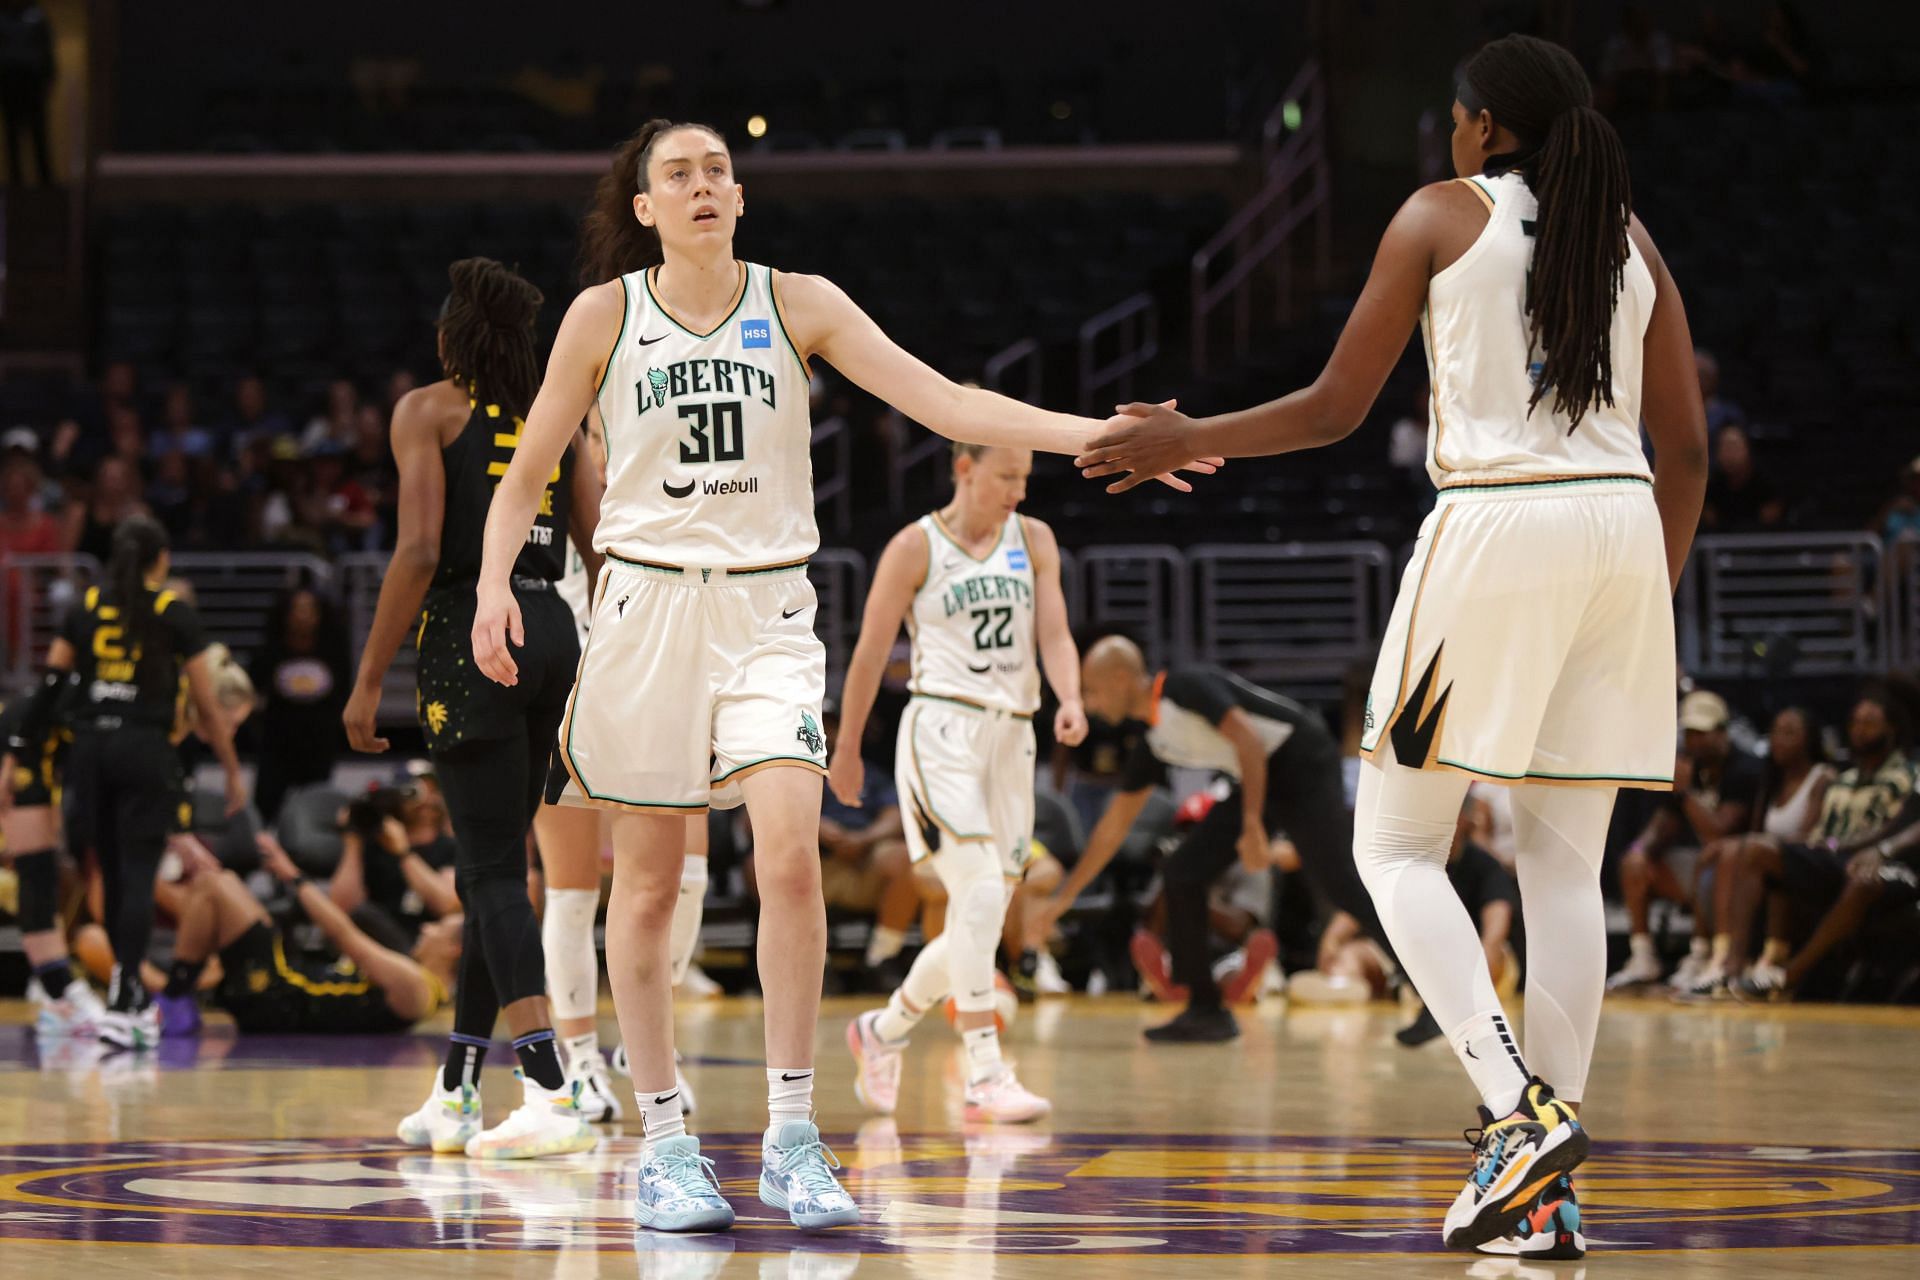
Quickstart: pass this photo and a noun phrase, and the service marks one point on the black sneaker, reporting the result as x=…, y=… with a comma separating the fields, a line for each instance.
x=1196, y=1025
x=1419, y=1031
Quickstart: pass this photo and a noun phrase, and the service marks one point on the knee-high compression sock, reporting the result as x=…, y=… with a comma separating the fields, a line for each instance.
x=1403, y=829
x=486, y=788
x=1561, y=834
x=539, y=1056
x=977, y=897
x=688, y=908
x=39, y=877
x=475, y=1009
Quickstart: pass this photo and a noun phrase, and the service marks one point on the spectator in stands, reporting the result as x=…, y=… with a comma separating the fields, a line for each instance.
x=334, y=425
x=344, y=511
x=1795, y=878
x=1781, y=65
x=167, y=491
x=179, y=432
x=1899, y=519
x=252, y=415
x=25, y=529
x=127, y=436
x=215, y=515
x=1739, y=498
x=289, y=514
x=90, y=521
x=1793, y=790
x=1635, y=64
x=1714, y=792
x=399, y=382
x=304, y=671
x=1720, y=410
x=371, y=468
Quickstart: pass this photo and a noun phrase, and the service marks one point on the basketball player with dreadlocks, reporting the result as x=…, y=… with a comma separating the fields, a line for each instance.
x=127, y=644
x=491, y=745
x=1532, y=643
x=702, y=679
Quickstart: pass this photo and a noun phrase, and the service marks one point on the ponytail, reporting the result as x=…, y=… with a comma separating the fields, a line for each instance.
x=612, y=241
x=1577, y=169
x=486, y=327
x=138, y=543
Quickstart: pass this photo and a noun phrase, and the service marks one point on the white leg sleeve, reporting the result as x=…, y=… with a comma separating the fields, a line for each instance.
x=566, y=934
x=1561, y=833
x=977, y=896
x=687, y=910
x=1403, y=829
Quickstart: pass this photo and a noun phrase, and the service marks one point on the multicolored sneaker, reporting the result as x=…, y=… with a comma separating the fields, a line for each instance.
x=1002, y=1099
x=446, y=1121
x=797, y=1175
x=678, y=1190
x=77, y=1012
x=1514, y=1160
x=137, y=1030
x=548, y=1122
x=1549, y=1232
x=877, y=1061
x=597, y=1098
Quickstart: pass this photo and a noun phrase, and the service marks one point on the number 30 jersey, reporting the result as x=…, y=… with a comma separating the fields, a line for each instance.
x=709, y=459
x=972, y=622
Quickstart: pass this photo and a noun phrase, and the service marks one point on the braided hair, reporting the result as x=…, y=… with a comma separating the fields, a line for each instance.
x=486, y=333
x=612, y=241
x=1574, y=164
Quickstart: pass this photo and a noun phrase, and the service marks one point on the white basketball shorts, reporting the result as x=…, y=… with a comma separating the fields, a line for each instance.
x=966, y=773
x=692, y=680
x=1532, y=640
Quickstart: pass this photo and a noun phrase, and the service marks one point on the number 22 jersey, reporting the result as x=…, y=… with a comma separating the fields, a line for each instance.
x=709, y=436
x=972, y=622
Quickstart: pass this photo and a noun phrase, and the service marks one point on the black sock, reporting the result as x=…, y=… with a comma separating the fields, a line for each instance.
x=464, y=1056
x=183, y=976
x=539, y=1055
x=124, y=994
x=55, y=976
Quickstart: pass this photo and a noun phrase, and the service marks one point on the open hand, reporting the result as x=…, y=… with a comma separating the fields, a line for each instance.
x=847, y=777
x=496, y=622
x=362, y=707
x=1144, y=442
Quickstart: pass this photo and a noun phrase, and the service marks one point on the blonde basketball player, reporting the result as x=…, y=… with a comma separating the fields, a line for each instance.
x=978, y=585
x=702, y=674
x=1532, y=645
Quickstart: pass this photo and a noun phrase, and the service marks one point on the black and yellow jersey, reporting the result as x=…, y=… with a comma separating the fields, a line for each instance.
x=475, y=460
x=121, y=678
x=36, y=765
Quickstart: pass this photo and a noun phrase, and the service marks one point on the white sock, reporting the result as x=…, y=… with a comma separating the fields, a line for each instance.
x=1485, y=1046
x=883, y=944
x=566, y=936
x=660, y=1116
x=789, y=1097
x=1641, y=944
x=582, y=1048
x=983, y=1053
x=688, y=908
x=1700, y=948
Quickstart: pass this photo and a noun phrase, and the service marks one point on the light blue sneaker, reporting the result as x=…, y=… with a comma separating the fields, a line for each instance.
x=678, y=1191
x=797, y=1175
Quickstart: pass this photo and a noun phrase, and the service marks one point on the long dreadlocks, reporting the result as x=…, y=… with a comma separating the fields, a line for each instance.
x=486, y=332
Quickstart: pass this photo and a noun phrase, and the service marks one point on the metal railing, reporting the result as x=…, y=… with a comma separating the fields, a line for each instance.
x=1755, y=604
x=357, y=578
x=1143, y=590
x=1020, y=360
x=1298, y=612
x=1258, y=242
x=1130, y=329
x=835, y=434
x=234, y=591
x=1902, y=571
x=35, y=593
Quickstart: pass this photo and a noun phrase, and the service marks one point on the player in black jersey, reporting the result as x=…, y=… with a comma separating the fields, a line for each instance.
x=490, y=744
x=126, y=645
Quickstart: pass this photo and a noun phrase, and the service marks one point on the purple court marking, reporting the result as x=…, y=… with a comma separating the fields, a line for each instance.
x=1022, y=1191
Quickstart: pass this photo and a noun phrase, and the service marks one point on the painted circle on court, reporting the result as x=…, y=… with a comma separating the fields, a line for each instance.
x=1009, y=1190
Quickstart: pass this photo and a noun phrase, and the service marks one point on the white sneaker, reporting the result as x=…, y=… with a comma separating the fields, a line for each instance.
x=624, y=1069
x=876, y=1077
x=1709, y=982
x=446, y=1121
x=78, y=1012
x=135, y=1031
x=1688, y=974
x=546, y=1123
x=597, y=1100
x=699, y=985
x=1047, y=978
x=1641, y=967
x=1763, y=981
x=1002, y=1099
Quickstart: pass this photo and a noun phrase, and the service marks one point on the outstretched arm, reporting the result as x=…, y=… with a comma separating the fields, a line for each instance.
x=825, y=321
x=1108, y=835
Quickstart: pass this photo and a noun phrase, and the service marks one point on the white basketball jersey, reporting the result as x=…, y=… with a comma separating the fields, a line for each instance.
x=576, y=588
x=709, y=458
x=972, y=622
x=1481, y=363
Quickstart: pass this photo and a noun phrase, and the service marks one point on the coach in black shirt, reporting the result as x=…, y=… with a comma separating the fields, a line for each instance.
x=1202, y=717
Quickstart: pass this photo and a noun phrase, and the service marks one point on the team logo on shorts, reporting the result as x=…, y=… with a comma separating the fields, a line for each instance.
x=755, y=333
x=809, y=734
x=435, y=716
x=657, y=379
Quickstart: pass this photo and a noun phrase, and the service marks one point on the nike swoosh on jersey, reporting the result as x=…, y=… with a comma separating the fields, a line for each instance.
x=1413, y=733
x=647, y=342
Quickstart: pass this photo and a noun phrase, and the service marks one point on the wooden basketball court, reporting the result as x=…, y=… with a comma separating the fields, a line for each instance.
x=1751, y=1141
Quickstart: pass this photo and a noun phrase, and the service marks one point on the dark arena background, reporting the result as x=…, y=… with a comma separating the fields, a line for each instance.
x=227, y=230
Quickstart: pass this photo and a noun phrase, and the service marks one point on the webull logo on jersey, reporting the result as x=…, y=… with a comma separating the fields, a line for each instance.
x=711, y=488
x=986, y=588
x=756, y=333
x=706, y=378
